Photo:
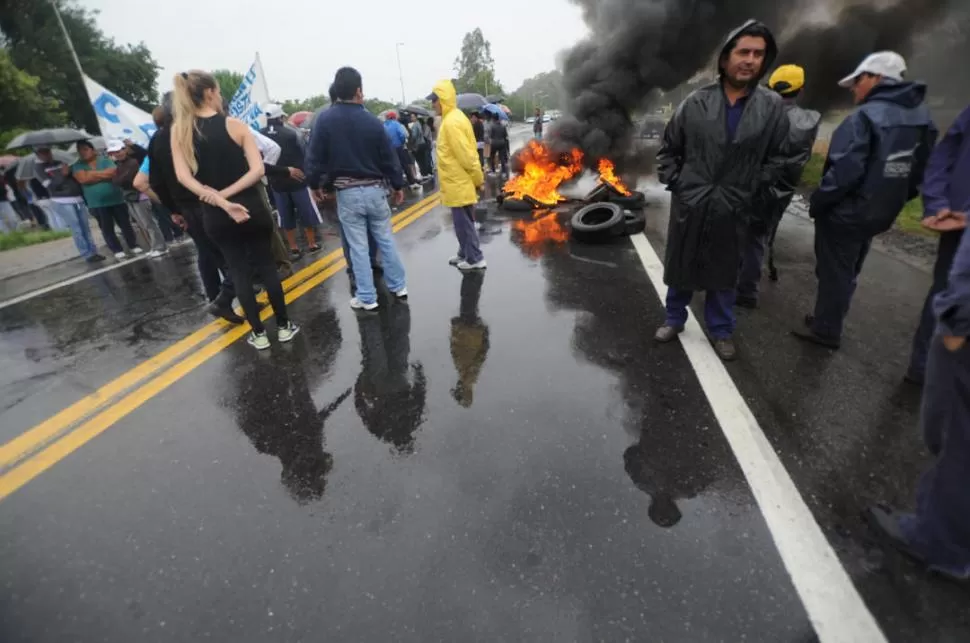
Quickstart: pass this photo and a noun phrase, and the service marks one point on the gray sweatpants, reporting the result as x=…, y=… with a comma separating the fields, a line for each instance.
x=141, y=212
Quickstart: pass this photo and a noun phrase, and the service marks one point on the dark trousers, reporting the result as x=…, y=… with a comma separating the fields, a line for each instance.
x=407, y=164
x=164, y=218
x=248, y=257
x=718, y=310
x=947, y=250
x=839, y=256
x=502, y=152
x=212, y=265
x=423, y=155
x=112, y=215
x=468, y=246
x=752, y=258
x=940, y=528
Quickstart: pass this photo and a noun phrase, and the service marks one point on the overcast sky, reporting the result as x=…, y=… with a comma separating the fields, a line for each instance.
x=302, y=42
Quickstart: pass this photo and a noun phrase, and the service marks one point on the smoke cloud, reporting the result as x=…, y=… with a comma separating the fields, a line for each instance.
x=636, y=47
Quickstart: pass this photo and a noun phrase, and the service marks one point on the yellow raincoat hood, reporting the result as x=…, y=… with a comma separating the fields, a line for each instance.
x=459, y=168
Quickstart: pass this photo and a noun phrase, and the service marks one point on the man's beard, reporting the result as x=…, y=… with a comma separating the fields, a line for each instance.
x=740, y=84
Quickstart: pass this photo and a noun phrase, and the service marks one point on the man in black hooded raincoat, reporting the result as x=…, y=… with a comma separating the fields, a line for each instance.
x=722, y=151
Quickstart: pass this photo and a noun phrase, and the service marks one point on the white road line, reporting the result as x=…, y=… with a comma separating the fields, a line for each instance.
x=834, y=606
x=67, y=282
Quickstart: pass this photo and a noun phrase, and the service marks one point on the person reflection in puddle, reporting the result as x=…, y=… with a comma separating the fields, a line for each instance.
x=663, y=510
x=469, y=339
x=273, y=407
x=390, y=394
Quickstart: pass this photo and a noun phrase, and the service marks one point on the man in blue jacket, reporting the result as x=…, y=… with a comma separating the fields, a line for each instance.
x=875, y=164
x=350, y=154
x=946, y=202
x=937, y=533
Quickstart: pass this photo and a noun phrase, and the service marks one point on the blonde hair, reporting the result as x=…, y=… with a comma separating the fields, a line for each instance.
x=189, y=95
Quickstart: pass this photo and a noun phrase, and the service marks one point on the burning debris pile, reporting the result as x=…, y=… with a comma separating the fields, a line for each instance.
x=541, y=172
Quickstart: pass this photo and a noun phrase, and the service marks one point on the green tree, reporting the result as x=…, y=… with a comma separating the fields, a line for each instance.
x=22, y=103
x=475, y=67
x=376, y=105
x=229, y=82
x=311, y=104
x=35, y=43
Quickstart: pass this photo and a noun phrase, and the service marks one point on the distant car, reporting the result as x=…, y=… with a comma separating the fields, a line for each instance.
x=652, y=126
x=530, y=120
x=545, y=118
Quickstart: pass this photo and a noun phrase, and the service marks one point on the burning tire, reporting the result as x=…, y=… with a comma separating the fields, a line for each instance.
x=635, y=201
x=517, y=205
x=634, y=222
x=598, y=223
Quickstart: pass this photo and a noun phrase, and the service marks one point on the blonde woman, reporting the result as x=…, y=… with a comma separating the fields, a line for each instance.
x=217, y=159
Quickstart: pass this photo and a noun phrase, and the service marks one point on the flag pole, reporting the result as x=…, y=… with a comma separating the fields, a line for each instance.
x=77, y=61
x=67, y=38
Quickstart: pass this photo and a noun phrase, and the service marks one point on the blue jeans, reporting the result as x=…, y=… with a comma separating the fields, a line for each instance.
x=718, y=310
x=362, y=210
x=75, y=217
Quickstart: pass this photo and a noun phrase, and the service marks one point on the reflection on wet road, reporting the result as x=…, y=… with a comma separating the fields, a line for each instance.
x=506, y=457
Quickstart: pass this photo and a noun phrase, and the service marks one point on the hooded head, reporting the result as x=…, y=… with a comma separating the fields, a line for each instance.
x=747, y=55
x=444, y=98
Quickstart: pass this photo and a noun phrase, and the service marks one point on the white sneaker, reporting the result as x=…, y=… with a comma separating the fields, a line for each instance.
x=259, y=341
x=415, y=186
x=401, y=294
x=120, y=256
x=357, y=304
x=454, y=261
x=481, y=265
x=155, y=254
x=137, y=251
x=287, y=333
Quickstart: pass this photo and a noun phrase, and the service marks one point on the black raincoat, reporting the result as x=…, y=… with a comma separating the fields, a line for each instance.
x=717, y=186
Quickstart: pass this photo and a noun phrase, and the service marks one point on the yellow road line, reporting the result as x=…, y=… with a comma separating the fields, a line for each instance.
x=29, y=440
x=32, y=467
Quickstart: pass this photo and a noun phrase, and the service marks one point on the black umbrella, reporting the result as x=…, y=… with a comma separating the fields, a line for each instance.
x=416, y=109
x=495, y=98
x=48, y=137
x=471, y=101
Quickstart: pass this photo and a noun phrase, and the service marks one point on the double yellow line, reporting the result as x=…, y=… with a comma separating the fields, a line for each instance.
x=18, y=464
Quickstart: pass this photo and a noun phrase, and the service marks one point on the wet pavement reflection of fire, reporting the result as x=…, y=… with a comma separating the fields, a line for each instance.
x=544, y=229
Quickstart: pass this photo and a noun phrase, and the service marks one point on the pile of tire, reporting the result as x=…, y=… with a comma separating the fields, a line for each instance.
x=604, y=222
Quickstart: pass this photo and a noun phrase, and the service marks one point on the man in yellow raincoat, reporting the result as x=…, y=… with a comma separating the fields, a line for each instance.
x=459, y=173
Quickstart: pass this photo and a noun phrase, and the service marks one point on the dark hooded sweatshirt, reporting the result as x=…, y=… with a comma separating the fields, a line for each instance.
x=876, y=161
x=718, y=181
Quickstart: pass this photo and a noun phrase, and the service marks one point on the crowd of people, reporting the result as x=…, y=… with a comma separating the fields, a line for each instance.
x=732, y=177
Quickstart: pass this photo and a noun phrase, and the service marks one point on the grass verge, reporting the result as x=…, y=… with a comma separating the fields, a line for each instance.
x=908, y=220
x=21, y=238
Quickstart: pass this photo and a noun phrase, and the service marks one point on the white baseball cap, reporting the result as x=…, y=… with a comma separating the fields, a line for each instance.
x=114, y=145
x=274, y=110
x=887, y=64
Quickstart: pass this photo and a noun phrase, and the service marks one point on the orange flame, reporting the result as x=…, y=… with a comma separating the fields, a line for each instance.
x=542, y=173
x=544, y=227
x=607, y=175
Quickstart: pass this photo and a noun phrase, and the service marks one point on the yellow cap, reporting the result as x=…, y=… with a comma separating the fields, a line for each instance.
x=787, y=79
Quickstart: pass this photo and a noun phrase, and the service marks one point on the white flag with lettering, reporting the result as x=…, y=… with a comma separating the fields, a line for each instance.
x=119, y=118
x=251, y=98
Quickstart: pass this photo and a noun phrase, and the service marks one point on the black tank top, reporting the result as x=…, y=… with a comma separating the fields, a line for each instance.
x=221, y=161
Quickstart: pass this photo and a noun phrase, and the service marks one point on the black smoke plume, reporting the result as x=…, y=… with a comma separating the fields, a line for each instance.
x=636, y=47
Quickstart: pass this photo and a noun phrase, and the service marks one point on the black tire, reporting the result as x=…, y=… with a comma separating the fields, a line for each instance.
x=634, y=222
x=517, y=205
x=598, y=223
x=635, y=201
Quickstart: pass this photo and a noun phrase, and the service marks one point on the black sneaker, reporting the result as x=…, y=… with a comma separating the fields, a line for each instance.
x=810, y=336
x=295, y=253
x=95, y=258
x=224, y=312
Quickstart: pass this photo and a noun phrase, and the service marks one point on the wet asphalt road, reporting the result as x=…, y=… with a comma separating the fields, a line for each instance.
x=508, y=457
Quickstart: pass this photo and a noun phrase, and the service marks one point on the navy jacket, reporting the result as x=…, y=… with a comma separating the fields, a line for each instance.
x=952, y=306
x=947, y=182
x=876, y=160
x=348, y=141
x=291, y=155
